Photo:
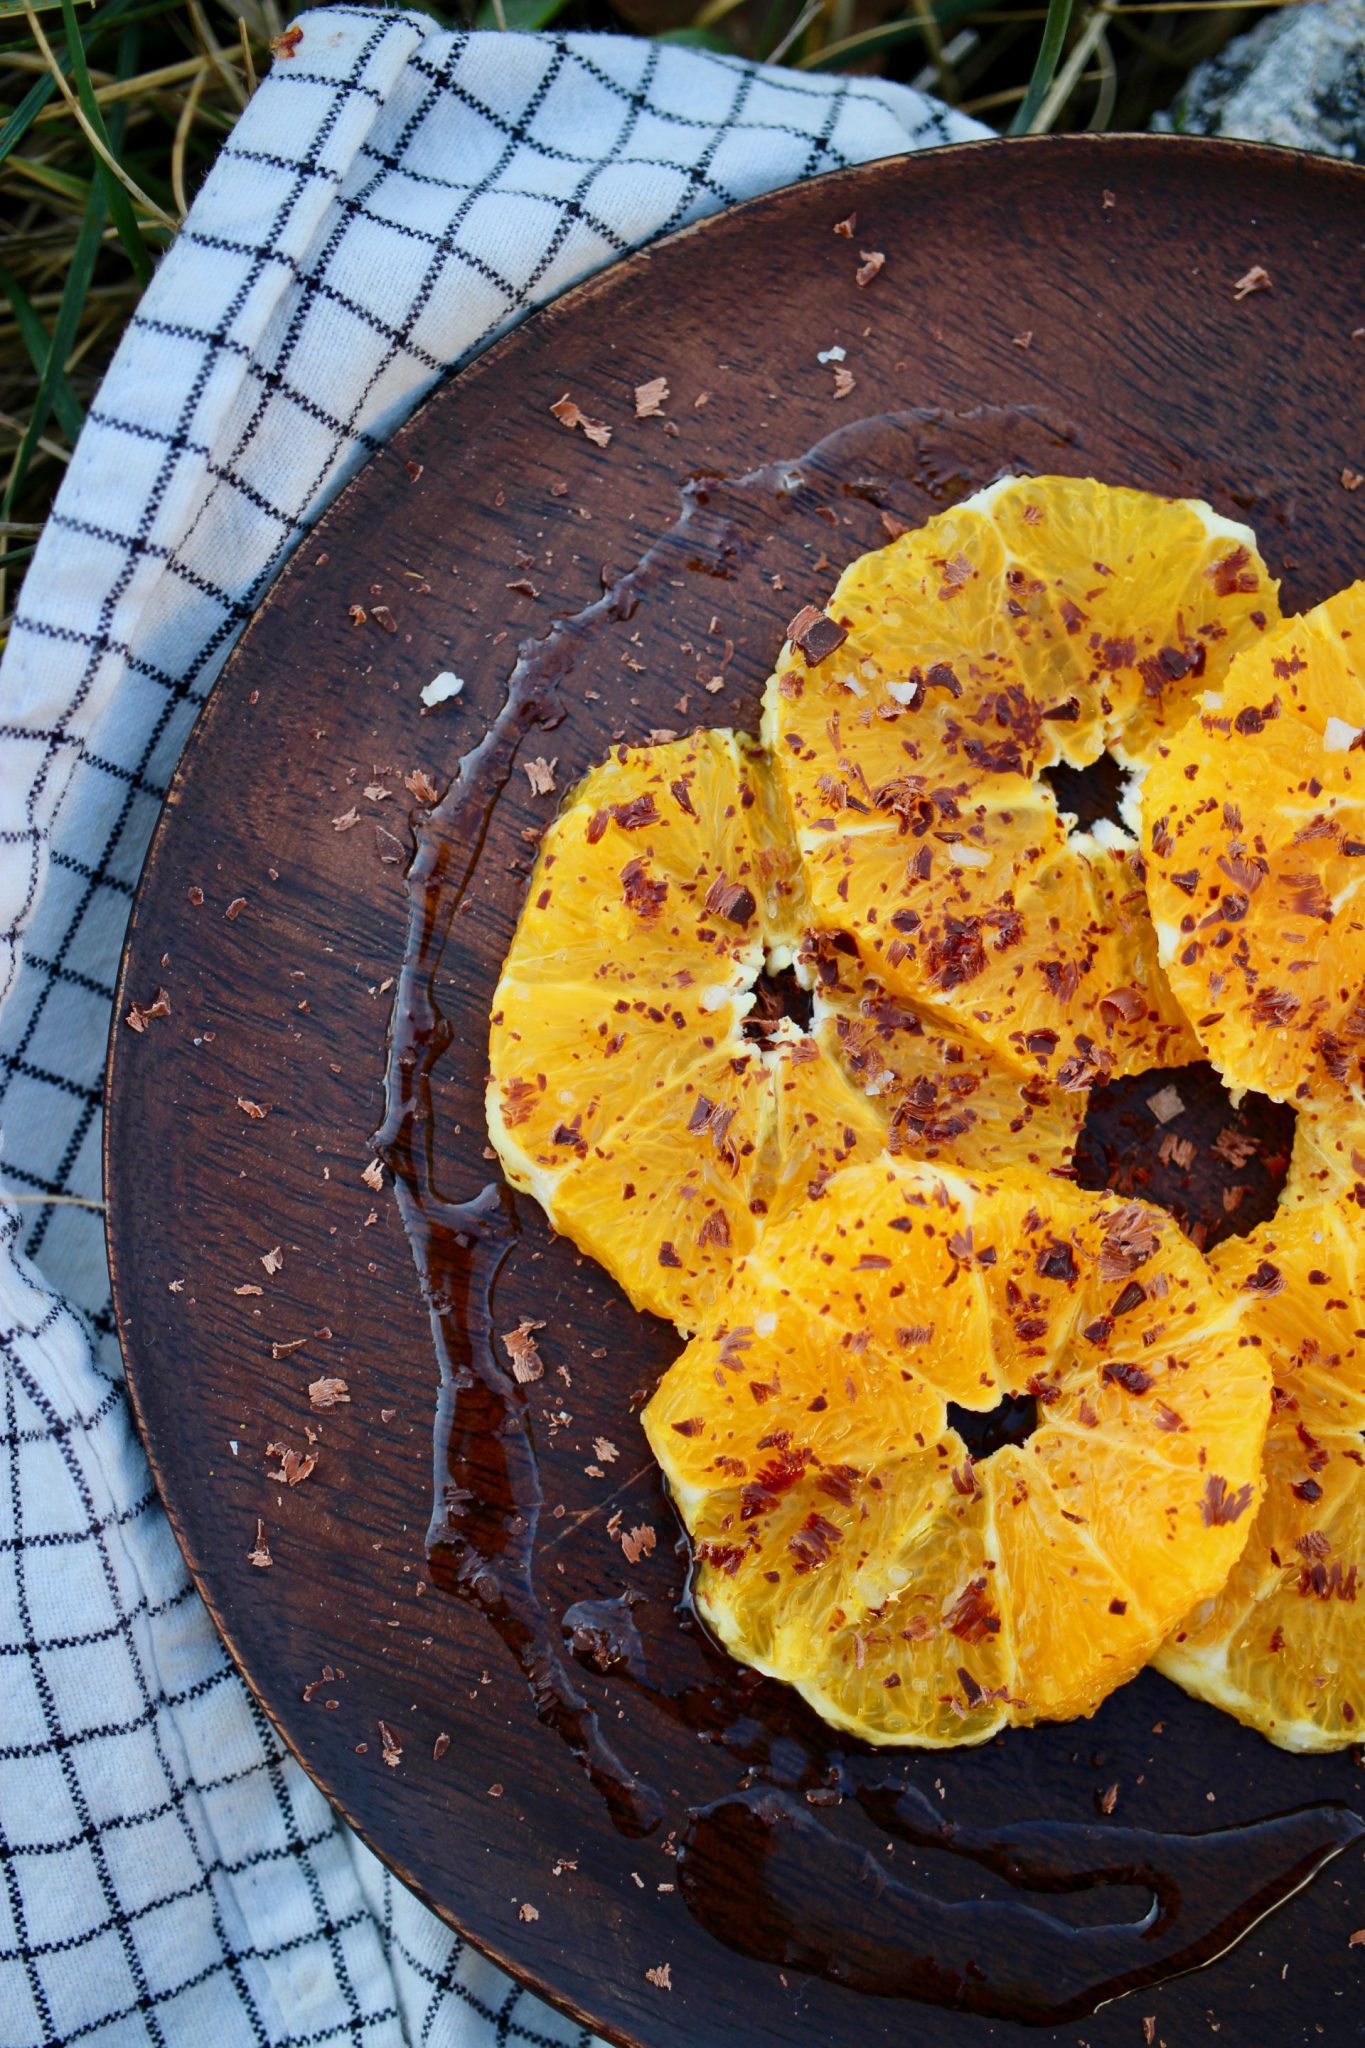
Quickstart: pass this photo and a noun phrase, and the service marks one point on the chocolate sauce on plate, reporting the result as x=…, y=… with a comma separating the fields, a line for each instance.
x=997, y=1957
x=762, y=1868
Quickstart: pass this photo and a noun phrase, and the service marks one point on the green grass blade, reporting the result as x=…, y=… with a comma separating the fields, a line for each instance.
x=63, y=336
x=693, y=39
x=21, y=120
x=525, y=15
x=1045, y=70
x=52, y=372
x=119, y=204
x=775, y=23
x=38, y=342
x=870, y=42
x=66, y=185
x=17, y=124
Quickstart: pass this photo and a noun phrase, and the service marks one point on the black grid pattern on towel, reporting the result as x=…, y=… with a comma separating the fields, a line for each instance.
x=392, y=197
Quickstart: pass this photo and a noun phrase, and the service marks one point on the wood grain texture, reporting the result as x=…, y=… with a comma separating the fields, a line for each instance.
x=1081, y=292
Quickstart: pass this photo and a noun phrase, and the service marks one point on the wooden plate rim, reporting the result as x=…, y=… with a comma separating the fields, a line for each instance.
x=925, y=164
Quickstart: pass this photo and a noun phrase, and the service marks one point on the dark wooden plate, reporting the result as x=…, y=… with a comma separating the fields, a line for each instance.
x=1063, y=305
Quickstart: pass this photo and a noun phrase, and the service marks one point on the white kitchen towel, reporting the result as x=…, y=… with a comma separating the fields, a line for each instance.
x=391, y=198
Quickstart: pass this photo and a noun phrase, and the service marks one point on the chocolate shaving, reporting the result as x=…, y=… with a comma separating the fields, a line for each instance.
x=1166, y=1104
x=1329, y=1582
x=813, y=1543
x=1249, y=719
x=1122, y=1005
x=569, y=415
x=1232, y=574
x=1273, y=1006
x=140, y=1015
x=715, y=1119
x=1247, y=874
x=293, y=1468
x=971, y=1616
x=1257, y=279
x=1219, y=1505
x=965, y=1480
x=527, y=1363
x=715, y=1230
x=638, y=1543
x=1130, y=1237
x=815, y=634
x=957, y=954
x=730, y=900
x=649, y=398
x=974, y=1694
x=642, y=892
x=1132, y=1378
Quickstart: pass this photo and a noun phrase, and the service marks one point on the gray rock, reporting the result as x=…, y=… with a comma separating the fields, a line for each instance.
x=1298, y=79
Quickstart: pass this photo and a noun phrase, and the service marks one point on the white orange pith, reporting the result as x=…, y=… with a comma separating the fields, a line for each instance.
x=845, y=1540
x=1045, y=620
x=1254, y=829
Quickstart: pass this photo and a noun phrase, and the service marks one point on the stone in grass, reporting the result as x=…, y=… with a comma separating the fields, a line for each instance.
x=1297, y=79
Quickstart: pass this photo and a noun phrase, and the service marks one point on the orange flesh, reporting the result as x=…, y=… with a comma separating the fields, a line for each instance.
x=818, y=1205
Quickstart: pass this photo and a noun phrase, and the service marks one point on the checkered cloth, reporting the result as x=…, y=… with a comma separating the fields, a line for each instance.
x=391, y=198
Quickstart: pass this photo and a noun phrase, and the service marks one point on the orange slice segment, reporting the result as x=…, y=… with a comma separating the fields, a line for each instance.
x=845, y=1539
x=623, y=1091
x=1282, y=1646
x=1254, y=826
x=1043, y=621
x=946, y=1096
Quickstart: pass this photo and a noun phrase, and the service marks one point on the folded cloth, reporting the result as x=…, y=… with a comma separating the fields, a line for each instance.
x=391, y=198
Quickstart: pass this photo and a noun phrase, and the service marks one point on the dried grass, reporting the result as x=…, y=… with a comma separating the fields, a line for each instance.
x=110, y=117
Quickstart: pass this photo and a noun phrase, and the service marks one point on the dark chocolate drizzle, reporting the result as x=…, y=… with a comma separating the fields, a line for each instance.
x=1001, y=1958
x=756, y=1863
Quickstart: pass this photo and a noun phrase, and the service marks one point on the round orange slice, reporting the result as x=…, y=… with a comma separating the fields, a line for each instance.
x=1282, y=1645
x=910, y=727
x=624, y=1093
x=845, y=1540
x=1254, y=830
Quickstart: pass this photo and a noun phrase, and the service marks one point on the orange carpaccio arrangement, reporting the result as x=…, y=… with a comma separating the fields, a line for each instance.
x=861, y=1222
